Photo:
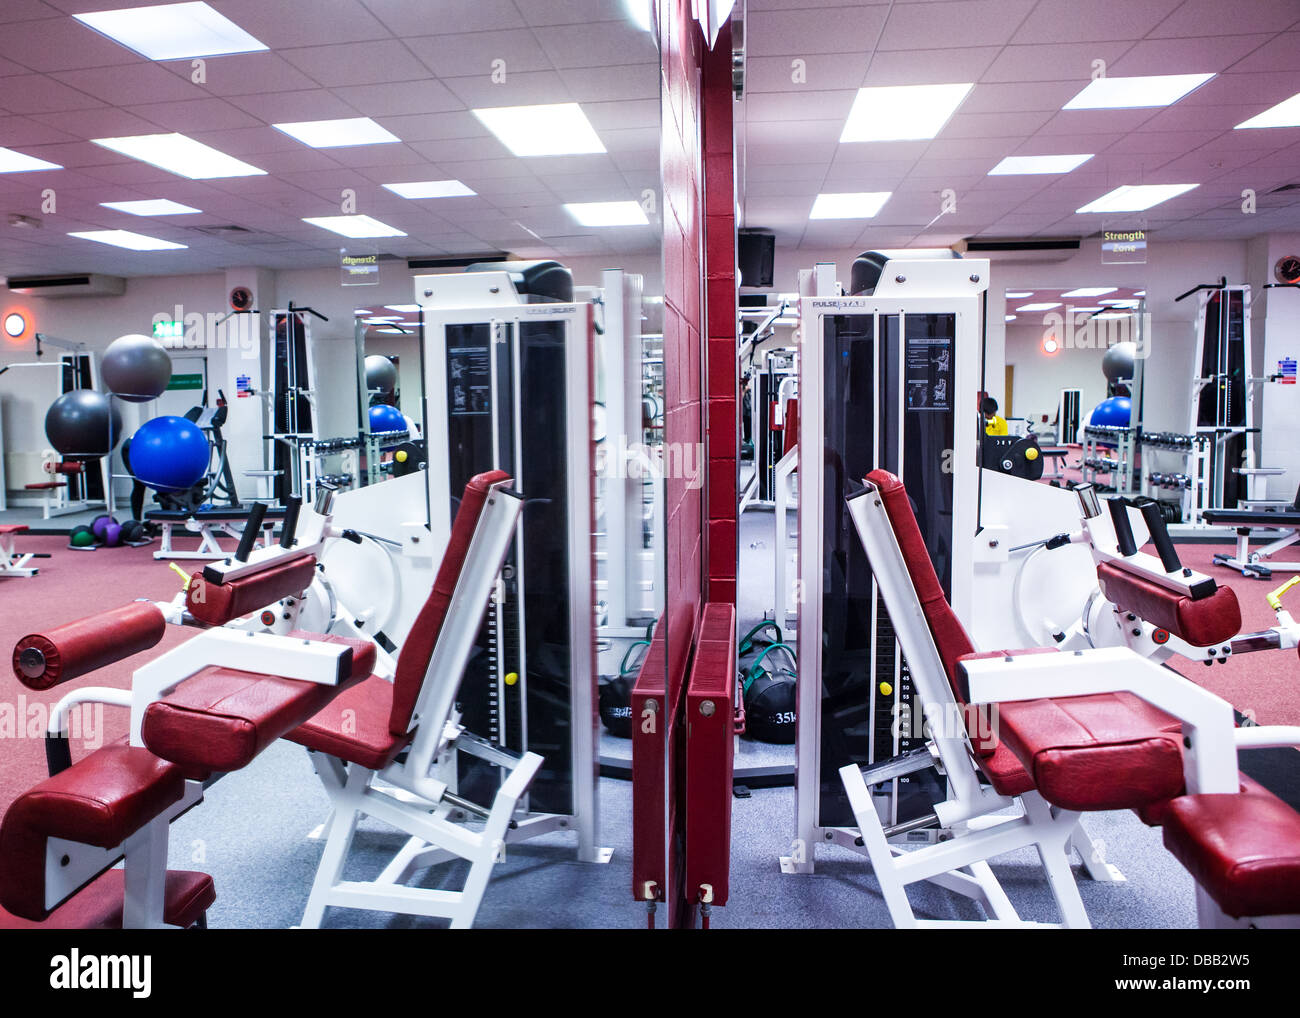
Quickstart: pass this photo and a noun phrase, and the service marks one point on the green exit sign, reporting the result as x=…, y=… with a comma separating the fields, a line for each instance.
x=168, y=330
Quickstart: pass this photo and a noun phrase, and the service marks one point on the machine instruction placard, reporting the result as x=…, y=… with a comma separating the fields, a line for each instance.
x=928, y=372
x=469, y=381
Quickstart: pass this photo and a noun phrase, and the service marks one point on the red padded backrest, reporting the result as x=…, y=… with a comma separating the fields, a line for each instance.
x=219, y=603
x=950, y=637
x=413, y=661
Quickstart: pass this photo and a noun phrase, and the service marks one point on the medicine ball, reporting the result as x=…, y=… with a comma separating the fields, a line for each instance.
x=170, y=453
x=83, y=422
x=107, y=531
x=81, y=537
x=616, y=705
x=134, y=532
x=136, y=368
x=770, y=708
x=381, y=374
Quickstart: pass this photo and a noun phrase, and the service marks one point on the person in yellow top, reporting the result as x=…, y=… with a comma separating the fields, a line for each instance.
x=993, y=424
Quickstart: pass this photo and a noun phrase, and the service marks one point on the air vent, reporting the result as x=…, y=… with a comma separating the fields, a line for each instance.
x=423, y=264
x=85, y=285
x=1285, y=187
x=223, y=231
x=1011, y=249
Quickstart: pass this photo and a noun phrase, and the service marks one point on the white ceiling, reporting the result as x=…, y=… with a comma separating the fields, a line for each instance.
x=415, y=66
x=1027, y=58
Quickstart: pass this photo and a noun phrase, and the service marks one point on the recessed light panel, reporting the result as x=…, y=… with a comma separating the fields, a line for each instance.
x=607, y=213
x=1136, y=197
x=338, y=133
x=172, y=31
x=1045, y=306
x=1038, y=164
x=183, y=156
x=902, y=112
x=431, y=189
x=1090, y=291
x=151, y=207
x=850, y=205
x=1284, y=114
x=556, y=129
x=16, y=162
x=1136, y=93
x=129, y=240
x=355, y=226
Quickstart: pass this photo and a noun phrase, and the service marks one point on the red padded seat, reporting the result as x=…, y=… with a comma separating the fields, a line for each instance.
x=1153, y=814
x=1202, y=622
x=1111, y=751
x=12, y=528
x=100, y=800
x=1242, y=848
x=361, y=736
x=220, y=718
x=98, y=906
x=376, y=701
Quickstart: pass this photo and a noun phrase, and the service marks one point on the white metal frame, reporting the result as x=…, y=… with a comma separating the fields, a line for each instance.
x=13, y=562
x=425, y=807
x=906, y=287
x=490, y=297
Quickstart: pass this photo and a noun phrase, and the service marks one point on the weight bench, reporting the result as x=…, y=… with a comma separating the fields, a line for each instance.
x=406, y=734
x=209, y=524
x=1283, y=518
x=60, y=839
x=12, y=563
x=1056, y=457
x=1110, y=736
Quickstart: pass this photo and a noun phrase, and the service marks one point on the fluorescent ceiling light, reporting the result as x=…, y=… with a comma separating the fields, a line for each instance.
x=1010, y=318
x=178, y=154
x=127, y=239
x=1039, y=307
x=338, y=133
x=172, y=31
x=557, y=129
x=396, y=332
x=1091, y=291
x=1133, y=93
x=431, y=189
x=639, y=13
x=407, y=308
x=1020, y=293
x=1139, y=293
x=151, y=207
x=1082, y=311
x=1284, y=114
x=851, y=205
x=16, y=162
x=1113, y=314
x=1038, y=164
x=1119, y=303
x=382, y=319
x=361, y=311
x=354, y=226
x=1135, y=197
x=902, y=112
x=607, y=213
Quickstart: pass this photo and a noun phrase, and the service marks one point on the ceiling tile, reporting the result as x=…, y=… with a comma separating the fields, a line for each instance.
x=963, y=23
x=404, y=18
x=357, y=63
x=800, y=33
x=135, y=83
x=466, y=54
x=1054, y=20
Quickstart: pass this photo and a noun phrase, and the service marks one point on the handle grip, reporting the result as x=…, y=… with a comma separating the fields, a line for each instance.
x=289, y=531
x=256, y=514
x=1118, y=508
x=1150, y=510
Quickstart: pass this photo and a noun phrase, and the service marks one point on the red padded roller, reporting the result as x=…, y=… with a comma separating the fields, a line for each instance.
x=219, y=603
x=42, y=660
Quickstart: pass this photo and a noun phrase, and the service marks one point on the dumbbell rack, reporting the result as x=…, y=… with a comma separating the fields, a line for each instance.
x=1191, y=482
x=1098, y=461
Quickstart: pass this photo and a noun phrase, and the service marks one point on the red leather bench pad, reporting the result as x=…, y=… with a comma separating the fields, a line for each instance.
x=354, y=726
x=100, y=800
x=1202, y=623
x=98, y=905
x=1244, y=849
x=221, y=718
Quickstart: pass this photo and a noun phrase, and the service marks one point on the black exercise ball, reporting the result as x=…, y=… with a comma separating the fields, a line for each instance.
x=83, y=423
x=616, y=705
x=770, y=708
x=136, y=368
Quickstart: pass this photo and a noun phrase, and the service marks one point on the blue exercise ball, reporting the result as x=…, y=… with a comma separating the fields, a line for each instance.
x=1113, y=413
x=170, y=453
x=386, y=418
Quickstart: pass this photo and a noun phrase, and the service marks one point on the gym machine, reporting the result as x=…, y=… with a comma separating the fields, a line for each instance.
x=507, y=360
x=881, y=377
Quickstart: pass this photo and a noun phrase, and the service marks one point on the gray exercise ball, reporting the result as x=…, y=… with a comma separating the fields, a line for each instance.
x=136, y=368
x=381, y=374
x=1117, y=362
x=83, y=423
